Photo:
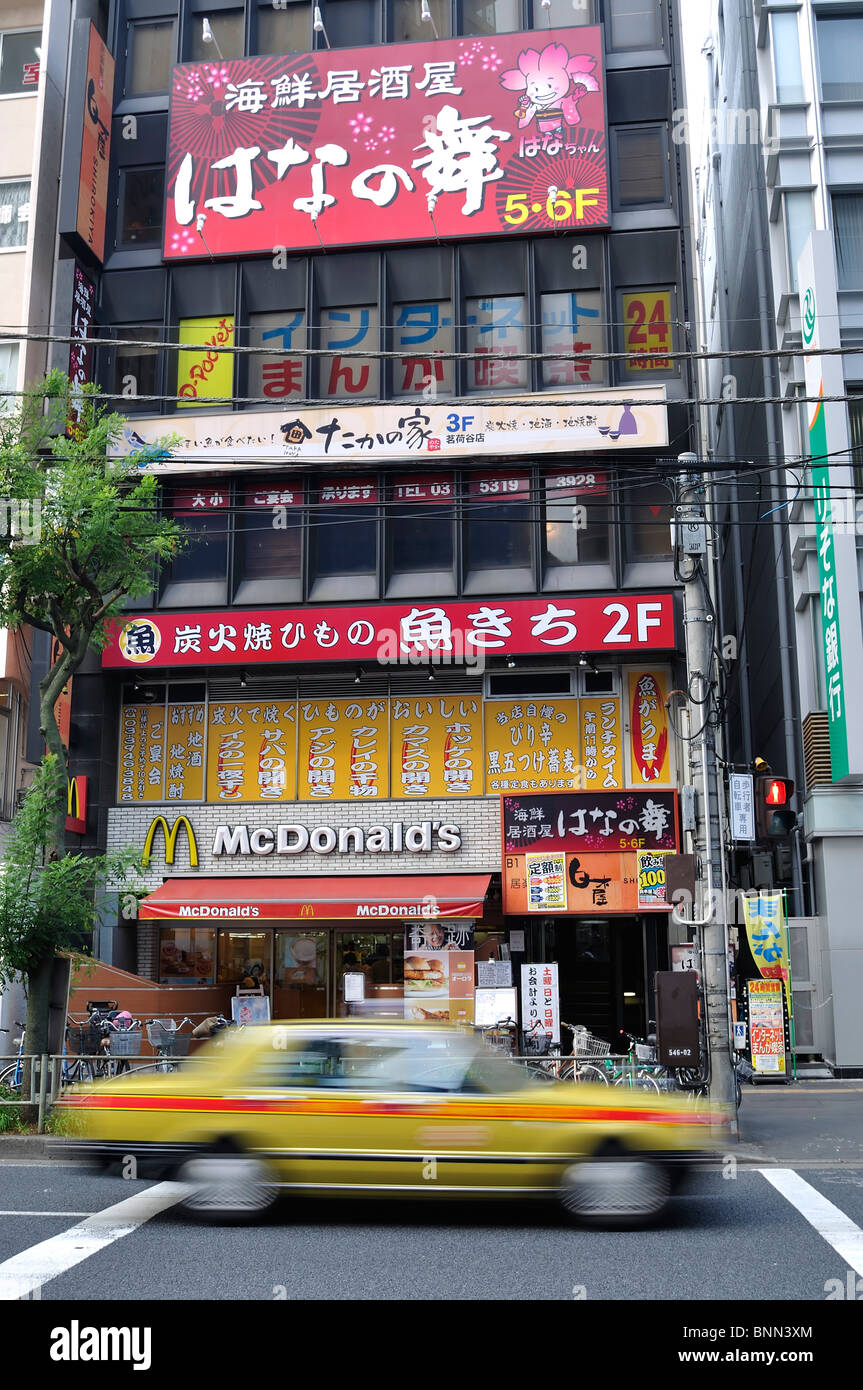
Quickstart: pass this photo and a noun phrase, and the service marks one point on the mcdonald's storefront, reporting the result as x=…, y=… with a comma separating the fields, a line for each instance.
x=363, y=911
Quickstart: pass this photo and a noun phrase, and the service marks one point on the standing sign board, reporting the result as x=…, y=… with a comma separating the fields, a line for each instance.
x=540, y=1000
x=766, y=1026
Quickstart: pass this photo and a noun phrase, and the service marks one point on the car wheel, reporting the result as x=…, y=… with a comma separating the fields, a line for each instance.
x=615, y=1191
x=227, y=1188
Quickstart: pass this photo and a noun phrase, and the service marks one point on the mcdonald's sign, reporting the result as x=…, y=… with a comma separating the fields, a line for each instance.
x=171, y=840
x=307, y=910
x=76, y=805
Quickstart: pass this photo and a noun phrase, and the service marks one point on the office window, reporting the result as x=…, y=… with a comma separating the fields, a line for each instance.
x=786, y=56
x=490, y=16
x=498, y=513
x=572, y=329
x=633, y=24
x=286, y=30
x=577, y=516
x=641, y=162
x=647, y=532
x=269, y=530
x=420, y=520
x=227, y=29
x=150, y=50
x=798, y=224
x=855, y=430
x=20, y=57
x=561, y=14
x=840, y=42
x=282, y=375
x=344, y=529
x=142, y=193
x=8, y=374
x=419, y=330
x=136, y=369
x=848, y=235
x=409, y=25
x=14, y=214
x=345, y=331
x=350, y=23
x=203, y=510
x=496, y=326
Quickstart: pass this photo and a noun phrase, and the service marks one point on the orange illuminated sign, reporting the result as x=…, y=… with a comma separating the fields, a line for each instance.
x=95, y=146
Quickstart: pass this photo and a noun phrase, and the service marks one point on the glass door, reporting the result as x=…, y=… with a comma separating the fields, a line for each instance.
x=369, y=970
x=300, y=974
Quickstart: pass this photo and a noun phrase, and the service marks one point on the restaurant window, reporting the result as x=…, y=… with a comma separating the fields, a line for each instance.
x=136, y=363
x=187, y=956
x=203, y=511
x=269, y=529
x=20, y=59
x=562, y=14
x=839, y=44
x=420, y=330
x=420, y=526
x=577, y=518
x=490, y=16
x=408, y=23
x=572, y=329
x=244, y=959
x=150, y=49
x=227, y=30
x=14, y=214
x=497, y=530
x=496, y=327
x=633, y=24
x=287, y=29
x=142, y=193
x=347, y=331
x=641, y=165
x=280, y=374
x=848, y=236
x=343, y=537
x=349, y=23
x=648, y=522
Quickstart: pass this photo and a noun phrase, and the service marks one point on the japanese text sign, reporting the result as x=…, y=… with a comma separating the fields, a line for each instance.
x=413, y=142
x=95, y=146
x=766, y=932
x=569, y=884
x=589, y=822
x=540, y=1000
x=392, y=632
x=648, y=728
x=766, y=1025
x=81, y=351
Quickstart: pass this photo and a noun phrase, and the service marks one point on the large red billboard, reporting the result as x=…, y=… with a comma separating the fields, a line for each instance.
x=453, y=138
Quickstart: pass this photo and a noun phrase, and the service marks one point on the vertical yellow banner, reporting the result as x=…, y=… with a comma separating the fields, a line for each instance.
x=531, y=743
x=436, y=746
x=142, y=753
x=251, y=751
x=184, y=768
x=342, y=750
x=601, y=743
x=207, y=370
x=648, y=729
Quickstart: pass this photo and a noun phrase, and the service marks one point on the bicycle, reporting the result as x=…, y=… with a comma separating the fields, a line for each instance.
x=165, y=1036
x=12, y=1077
x=579, y=1065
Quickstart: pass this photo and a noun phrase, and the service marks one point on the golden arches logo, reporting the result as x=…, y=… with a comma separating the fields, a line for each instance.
x=307, y=910
x=171, y=840
x=73, y=799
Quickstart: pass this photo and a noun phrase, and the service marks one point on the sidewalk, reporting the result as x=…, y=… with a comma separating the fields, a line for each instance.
x=803, y=1123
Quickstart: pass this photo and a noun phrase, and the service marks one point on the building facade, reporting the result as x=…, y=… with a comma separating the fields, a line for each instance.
x=783, y=169
x=391, y=304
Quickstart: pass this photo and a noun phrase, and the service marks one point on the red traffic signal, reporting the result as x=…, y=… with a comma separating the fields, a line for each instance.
x=774, y=818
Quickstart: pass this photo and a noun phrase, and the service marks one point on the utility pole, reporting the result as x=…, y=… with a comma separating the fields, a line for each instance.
x=711, y=921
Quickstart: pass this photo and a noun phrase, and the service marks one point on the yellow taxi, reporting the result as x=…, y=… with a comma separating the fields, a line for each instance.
x=389, y=1109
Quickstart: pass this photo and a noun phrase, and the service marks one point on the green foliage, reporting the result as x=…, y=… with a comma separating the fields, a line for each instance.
x=11, y=1116
x=47, y=902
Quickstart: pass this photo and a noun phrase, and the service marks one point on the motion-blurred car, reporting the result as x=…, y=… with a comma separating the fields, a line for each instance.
x=400, y=1109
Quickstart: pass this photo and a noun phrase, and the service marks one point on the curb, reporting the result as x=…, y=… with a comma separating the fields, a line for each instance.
x=24, y=1146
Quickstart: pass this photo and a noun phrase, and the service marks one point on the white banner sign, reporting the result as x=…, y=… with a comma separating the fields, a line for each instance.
x=540, y=1000
x=742, y=798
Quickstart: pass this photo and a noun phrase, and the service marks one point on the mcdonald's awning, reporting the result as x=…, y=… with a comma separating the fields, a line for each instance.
x=327, y=899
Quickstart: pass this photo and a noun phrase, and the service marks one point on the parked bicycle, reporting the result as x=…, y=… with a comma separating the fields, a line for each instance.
x=12, y=1077
x=169, y=1041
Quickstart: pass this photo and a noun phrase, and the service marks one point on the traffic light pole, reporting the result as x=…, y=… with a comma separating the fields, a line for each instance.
x=707, y=840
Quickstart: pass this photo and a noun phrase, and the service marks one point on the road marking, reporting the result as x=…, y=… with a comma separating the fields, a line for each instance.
x=832, y=1224
x=47, y=1213
x=29, y=1270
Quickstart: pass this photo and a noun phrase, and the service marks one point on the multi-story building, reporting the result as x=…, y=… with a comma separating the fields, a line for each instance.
x=780, y=183
x=370, y=264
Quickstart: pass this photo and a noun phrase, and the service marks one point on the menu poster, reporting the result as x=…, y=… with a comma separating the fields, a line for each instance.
x=546, y=882
x=438, y=973
x=652, y=885
x=493, y=974
x=540, y=1000
x=766, y=1026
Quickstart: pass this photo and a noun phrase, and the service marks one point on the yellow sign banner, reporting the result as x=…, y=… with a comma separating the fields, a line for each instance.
x=184, y=768
x=767, y=934
x=205, y=372
x=601, y=743
x=251, y=751
x=648, y=729
x=647, y=331
x=343, y=751
x=532, y=743
x=142, y=753
x=436, y=747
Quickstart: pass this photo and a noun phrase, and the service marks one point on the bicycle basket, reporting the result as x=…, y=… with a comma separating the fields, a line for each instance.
x=178, y=1045
x=586, y=1045
x=161, y=1035
x=125, y=1044
x=82, y=1042
x=645, y=1052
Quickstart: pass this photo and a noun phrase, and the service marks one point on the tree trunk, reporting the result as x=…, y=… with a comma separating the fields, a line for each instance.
x=38, y=1013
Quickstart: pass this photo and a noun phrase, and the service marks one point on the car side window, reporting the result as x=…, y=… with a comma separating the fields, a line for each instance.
x=313, y=1063
x=400, y=1062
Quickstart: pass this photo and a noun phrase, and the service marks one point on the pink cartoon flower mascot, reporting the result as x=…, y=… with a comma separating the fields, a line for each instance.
x=552, y=84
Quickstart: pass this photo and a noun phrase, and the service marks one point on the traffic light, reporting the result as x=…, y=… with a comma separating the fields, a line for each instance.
x=774, y=819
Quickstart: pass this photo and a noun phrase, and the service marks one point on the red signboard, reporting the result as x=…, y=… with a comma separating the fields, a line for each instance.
x=413, y=142
x=391, y=632
x=95, y=146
